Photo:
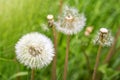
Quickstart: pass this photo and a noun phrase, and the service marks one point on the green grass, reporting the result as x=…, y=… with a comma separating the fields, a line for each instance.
x=18, y=17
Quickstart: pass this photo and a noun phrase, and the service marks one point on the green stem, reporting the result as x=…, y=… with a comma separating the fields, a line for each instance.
x=60, y=7
x=55, y=57
x=66, y=58
x=32, y=74
x=96, y=63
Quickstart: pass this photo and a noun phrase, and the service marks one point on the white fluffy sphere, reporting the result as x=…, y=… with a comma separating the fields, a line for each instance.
x=34, y=50
x=71, y=22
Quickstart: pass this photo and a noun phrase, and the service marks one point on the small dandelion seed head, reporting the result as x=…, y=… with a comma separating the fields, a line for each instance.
x=34, y=50
x=104, y=37
x=71, y=22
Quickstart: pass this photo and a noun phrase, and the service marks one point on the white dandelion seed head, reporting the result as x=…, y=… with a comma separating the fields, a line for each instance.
x=34, y=50
x=104, y=37
x=71, y=22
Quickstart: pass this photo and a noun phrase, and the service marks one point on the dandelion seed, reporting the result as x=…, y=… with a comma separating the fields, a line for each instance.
x=34, y=50
x=104, y=37
x=71, y=22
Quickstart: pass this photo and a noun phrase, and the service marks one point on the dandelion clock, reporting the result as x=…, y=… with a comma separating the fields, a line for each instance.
x=103, y=38
x=69, y=23
x=34, y=50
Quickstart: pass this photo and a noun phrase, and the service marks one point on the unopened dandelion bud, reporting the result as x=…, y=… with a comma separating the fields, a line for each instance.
x=50, y=20
x=88, y=31
x=50, y=17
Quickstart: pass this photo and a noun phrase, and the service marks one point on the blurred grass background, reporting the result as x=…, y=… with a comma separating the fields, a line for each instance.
x=18, y=17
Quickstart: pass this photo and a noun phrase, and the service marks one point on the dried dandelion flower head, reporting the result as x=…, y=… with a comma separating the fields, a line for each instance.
x=34, y=50
x=71, y=21
x=104, y=37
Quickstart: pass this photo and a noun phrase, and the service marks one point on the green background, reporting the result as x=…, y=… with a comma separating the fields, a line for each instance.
x=19, y=17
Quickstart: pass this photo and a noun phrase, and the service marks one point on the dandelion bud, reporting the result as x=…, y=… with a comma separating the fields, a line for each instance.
x=50, y=20
x=88, y=31
x=50, y=17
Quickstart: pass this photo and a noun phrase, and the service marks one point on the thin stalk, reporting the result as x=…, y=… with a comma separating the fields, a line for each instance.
x=97, y=63
x=60, y=7
x=55, y=57
x=66, y=58
x=32, y=74
x=55, y=45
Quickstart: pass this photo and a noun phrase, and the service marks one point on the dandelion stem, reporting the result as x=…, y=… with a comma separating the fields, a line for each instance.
x=60, y=7
x=66, y=58
x=55, y=57
x=96, y=63
x=32, y=74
